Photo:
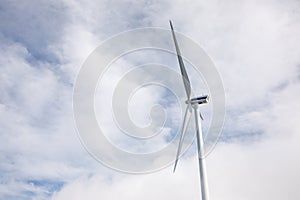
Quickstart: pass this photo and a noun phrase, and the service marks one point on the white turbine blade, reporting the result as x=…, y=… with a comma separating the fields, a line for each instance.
x=185, y=78
x=186, y=121
x=201, y=116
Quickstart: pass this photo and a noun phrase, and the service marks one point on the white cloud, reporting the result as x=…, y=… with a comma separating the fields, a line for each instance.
x=264, y=169
x=255, y=45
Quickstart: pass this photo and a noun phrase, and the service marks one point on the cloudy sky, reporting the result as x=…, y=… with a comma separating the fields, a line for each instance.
x=255, y=46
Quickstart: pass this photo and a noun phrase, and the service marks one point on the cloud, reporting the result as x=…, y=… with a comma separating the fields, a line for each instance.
x=254, y=45
x=240, y=169
x=34, y=133
x=29, y=25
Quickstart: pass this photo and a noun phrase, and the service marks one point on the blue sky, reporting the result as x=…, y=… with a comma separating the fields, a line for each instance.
x=255, y=46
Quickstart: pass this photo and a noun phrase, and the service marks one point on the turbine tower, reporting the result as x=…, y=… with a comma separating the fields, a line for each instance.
x=192, y=104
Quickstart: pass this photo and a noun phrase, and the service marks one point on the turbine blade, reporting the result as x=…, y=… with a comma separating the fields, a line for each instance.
x=201, y=115
x=185, y=78
x=186, y=121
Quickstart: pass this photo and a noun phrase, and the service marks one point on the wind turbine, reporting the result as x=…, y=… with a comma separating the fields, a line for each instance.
x=192, y=104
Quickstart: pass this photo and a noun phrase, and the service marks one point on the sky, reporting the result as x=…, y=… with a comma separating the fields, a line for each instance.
x=255, y=46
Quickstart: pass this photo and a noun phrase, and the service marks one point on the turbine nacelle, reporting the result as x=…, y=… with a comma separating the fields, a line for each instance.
x=198, y=100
